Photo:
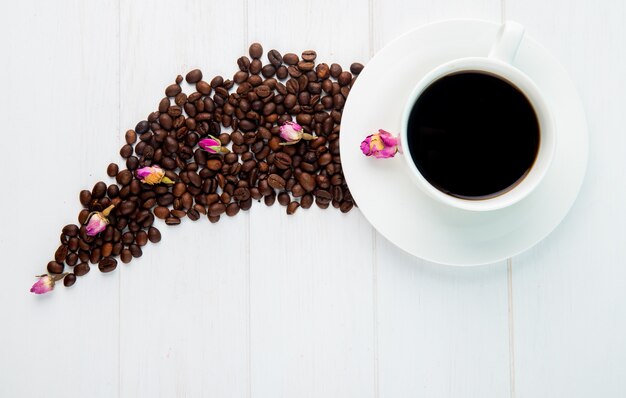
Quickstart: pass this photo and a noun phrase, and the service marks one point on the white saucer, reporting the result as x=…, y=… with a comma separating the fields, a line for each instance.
x=383, y=188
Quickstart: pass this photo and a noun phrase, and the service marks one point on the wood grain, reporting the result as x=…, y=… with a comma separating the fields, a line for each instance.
x=568, y=290
x=316, y=304
x=310, y=273
x=59, y=125
x=442, y=331
x=184, y=304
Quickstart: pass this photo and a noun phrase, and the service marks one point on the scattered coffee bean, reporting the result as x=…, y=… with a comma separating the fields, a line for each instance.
x=107, y=264
x=69, y=280
x=194, y=76
x=256, y=50
x=253, y=105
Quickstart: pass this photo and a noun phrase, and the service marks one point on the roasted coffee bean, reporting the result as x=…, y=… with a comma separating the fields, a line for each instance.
x=243, y=63
x=356, y=68
x=232, y=209
x=61, y=254
x=107, y=264
x=172, y=90
x=112, y=170
x=255, y=50
x=99, y=190
x=85, y=197
x=136, y=251
x=344, y=78
x=306, y=201
x=172, y=221
x=194, y=76
x=55, y=267
x=292, y=207
x=283, y=198
x=275, y=181
x=130, y=137
x=69, y=280
x=275, y=58
x=346, y=206
x=124, y=177
x=141, y=238
x=290, y=59
x=305, y=66
x=307, y=181
x=82, y=269
x=216, y=209
x=309, y=55
x=70, y=230
x=126, y=256
x=72, y=259
x=154, y=235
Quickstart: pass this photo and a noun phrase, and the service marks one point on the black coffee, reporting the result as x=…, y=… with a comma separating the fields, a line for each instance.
x=473, y=135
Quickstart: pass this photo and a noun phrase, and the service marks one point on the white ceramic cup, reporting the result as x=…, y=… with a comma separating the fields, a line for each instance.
x=498, y=63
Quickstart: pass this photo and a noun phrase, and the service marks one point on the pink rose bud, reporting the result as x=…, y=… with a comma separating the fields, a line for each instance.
x=97, y=221
x=292, y=133
x=153, y=175
x=381, y=145
x=45, y=283
x=212, y=145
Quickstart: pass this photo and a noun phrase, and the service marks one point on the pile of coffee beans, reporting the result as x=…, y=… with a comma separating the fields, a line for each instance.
x=245, y=113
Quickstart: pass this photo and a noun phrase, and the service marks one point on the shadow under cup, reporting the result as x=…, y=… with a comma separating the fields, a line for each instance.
x=473, y=135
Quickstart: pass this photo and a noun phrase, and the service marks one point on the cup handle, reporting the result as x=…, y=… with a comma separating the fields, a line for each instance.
x=510, y=36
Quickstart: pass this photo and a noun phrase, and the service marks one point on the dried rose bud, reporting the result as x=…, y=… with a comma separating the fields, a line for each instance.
x=292, y=133
x=45, y=283
x=212, y=145
x=153, y=175
x=381, y=145
x=97, y=221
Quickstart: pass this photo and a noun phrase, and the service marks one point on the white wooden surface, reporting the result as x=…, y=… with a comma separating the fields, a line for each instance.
x=314, y=305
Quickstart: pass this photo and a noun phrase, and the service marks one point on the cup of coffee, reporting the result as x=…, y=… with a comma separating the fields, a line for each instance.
x=477, y=133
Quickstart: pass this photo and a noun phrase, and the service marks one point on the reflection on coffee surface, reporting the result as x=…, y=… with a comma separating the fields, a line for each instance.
x=473, y=135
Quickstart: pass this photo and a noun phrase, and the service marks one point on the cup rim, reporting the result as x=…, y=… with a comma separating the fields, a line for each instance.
x=523, y=83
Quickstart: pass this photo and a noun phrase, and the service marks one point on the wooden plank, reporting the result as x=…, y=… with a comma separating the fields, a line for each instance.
x=184, y=304
x=311, y=273
x=568, y=291
x=60, y=129
x=441, y=331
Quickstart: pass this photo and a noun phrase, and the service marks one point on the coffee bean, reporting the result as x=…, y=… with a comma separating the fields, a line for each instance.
x=69, y=280
x=292, y=207
x=85, y=197
x=154, y=235
x=55, y=267
x=203, y=87
x=290, y=59
x=61, y=254
x=107, y=264
x=243, y=63
x=232, y=209
x=82, y=269
x=112, y=170
x=172, y=221
x=99, y=190
x=306, y=201
x=275, y=181
x=136, y=251
x=72, y=259
x=344, y=78
x=356, y=68
x=172, y=90
x=130, y=137
x=126, y=256
x=255, y=50
x=275, y=58
x=283, y=198
x=306, y=65
x=307, y=181
x=335, y=70
x=70, y=230
x=309, y=55
x=194, y=76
